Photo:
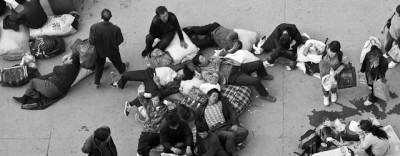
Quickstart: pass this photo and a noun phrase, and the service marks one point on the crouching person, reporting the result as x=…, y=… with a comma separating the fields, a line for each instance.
x=100, y=143
x=176, y=136
x=52, y=85
x=223, y=121
x=208, y=143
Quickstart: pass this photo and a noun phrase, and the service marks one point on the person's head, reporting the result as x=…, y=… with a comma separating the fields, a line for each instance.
x=102, y=134
x=199, y=60
x=162, y=13
x=173, y=120
x=106, y=15
x=213, y=79
x=156, y=99
x=72, y=59
x=284, y=40
x=185, y=74
x=213, y=96
x=398, y=9
x=333, y=48
x=202, y=129
x=367, y=126
x=240, y=44
x=20, y=1
x=375, y=54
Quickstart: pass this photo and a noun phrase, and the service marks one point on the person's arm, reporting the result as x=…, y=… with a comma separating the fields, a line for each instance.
x=170, y=88
x=164, y=138
x=364, y=64
x=339, y=69
x=383, y=66
x=229, y=112
x=365, y=142
x=232, y=40
x=297, y=37
x=177, y=27
x=88, y=146
x=120, y=37
x=307, y=49
x=154, y=26
x=92, y=35
x=275, y=35
x=188, y=135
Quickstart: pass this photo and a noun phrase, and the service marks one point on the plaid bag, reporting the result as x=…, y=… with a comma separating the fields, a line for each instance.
x=238, y=96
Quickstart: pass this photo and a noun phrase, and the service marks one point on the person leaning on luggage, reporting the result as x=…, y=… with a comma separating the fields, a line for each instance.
x=374, y=66
x=106, y=37
x=54, y=84
x=100, y=143
x=26, y=12
x=163, y=26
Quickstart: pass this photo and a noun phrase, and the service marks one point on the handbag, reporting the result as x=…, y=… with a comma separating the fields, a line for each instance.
x=381, y=90
x=14, y=76
x=87, y=53
x=347, y=78
x=45, y=47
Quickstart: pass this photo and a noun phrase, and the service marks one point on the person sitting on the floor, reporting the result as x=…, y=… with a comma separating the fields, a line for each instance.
x=54, y=84
x=279, y=42
x=207, y=143
x=163, y=26
x=100, y=143
x=26, y=12
x=375, y=141
x=374, y=66
x=211, y=83
x=154, y=115
x=235, y=73
x=214, y=35
x=223, y=121
x=176, y=136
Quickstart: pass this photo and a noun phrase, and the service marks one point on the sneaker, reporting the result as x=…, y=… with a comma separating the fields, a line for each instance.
x=267, y=64
x=127, y=65
x=30, y=106
x=368, y=103
x=114, y=84
x=240, y=146
x=267, y=77
x=392, y=64
x=385, y=55
x=268, y=98
x=326, y=101
x=288, y=68
x=127, y=108
x=333, y=97
x=96, y=86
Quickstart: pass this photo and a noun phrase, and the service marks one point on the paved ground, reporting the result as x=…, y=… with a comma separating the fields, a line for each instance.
x=274, y=127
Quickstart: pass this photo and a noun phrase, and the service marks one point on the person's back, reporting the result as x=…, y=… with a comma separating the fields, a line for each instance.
x=378, y=146
x=32, y=14
x=100, y=143
x=107, y=38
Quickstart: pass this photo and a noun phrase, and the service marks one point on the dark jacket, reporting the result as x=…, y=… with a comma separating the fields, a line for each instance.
x=231, y=117
x=158, y=28
x=32, y=15
x=92, y=149
x=293, y=33
x=209, y=146
x=169, y=136
x=373, y=74
x=63, y=76
x=106, y=37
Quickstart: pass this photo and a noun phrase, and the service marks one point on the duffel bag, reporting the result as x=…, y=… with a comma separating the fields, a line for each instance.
x=14, y=76
x=238, y=96
x=45, y=47
x=87, y=53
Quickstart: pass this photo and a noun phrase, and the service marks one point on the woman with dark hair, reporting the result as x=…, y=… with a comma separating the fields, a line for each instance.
x=331, y=60
x=374, y=66
x=375, y=138
x=54, y=84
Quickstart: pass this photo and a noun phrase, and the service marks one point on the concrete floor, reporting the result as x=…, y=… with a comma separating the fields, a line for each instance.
x=275, y=128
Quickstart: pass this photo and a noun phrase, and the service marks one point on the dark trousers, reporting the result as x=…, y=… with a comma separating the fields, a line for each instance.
x=115, y=60
x=145, y=76
x=276, y=53
x=326, y=93
x=371, y=96
x=44, y=87
x=241, y=76
x=147, y=141
x=229, y=139
x=165, y=40
x=207, y=40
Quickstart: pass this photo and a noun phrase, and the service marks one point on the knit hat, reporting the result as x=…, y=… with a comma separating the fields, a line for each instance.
x=334, y=46
x=398, y=9
x=202, y=127
x=102, y=133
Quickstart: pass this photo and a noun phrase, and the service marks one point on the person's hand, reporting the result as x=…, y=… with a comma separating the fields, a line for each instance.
x=234, y=128
x=176, y=150
x=156, y=79
x=184, y=44
x=189, y=151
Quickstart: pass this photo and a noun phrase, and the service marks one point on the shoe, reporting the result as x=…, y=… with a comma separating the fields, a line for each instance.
x=267, y=77
x=30, y=106
x=326, y=101
x=392, y=64
x=267, y=64
x=114, y=84
x=20, y=100
x=127, y=65
x=145, y=52
x=96, y=86
x=268, y=98
x=368, y=103
x=240, y=146
x=333, y=97
x=127, y=108
x=385, y=55
x=288, y=68
x=317, y=75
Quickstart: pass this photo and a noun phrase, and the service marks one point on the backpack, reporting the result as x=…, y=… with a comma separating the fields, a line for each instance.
x=14, y=76
x=87, y=53
x=309, y=142
x=45, y=47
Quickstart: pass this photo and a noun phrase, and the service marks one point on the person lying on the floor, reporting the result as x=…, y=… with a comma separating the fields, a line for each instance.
x=207, y=142
x=26, y=12
x=214, y=35
x=223, y=121
x=235, y=73
x=52, y=85
x=176, y=136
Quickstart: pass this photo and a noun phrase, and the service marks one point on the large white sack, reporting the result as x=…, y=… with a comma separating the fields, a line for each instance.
x=13, y=45
x=177, y=52
x=58, y=25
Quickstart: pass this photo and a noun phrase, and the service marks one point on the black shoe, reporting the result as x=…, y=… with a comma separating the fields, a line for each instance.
x=267, y=77
x=20, y=100
x=145, y=52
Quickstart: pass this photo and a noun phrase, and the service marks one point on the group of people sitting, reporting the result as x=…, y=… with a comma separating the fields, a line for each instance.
x=218, y=130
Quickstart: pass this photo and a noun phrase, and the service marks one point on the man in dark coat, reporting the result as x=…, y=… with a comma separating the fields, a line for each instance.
x=163, y=26
x=100, y=143
x=106, y=37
